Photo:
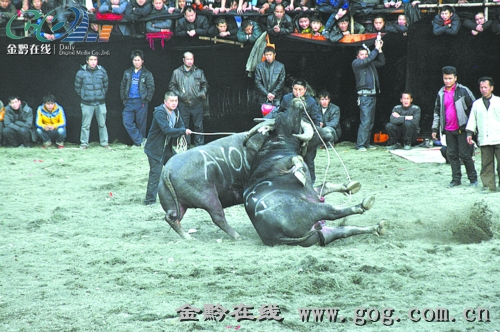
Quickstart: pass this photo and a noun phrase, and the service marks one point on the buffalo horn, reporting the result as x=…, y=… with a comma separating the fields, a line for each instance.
x=269, y=123
x=307, y=131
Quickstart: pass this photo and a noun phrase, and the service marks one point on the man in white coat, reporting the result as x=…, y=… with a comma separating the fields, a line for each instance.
x=484, y=120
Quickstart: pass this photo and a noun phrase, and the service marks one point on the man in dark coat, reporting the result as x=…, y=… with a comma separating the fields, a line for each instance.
x=18, y=122
x=270, y=78
x=167, y=124
x=136, y=91
x=91, y=85
x=367, y=83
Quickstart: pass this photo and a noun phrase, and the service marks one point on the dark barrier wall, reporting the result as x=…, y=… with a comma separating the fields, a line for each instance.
x=473, y=56
x=413, y=63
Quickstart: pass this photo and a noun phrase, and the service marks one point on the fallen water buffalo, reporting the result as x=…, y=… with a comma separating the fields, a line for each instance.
x=285, y=210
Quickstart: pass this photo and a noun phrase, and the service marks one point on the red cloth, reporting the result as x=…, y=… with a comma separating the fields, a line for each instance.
x=108, y=16
x=162, y=36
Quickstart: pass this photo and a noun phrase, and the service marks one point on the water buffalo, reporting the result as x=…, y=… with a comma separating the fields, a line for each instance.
x=208, y=177
x=211, y=177
x=285, y=210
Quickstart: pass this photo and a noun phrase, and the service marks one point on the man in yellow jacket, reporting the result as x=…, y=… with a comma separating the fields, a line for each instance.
x=51, y=122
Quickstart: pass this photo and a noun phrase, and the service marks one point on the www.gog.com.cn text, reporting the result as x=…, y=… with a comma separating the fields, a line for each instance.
x=387, y=315
x=360, y=316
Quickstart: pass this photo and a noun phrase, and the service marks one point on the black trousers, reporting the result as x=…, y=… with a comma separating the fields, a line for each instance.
x=458, y=148
x=155, y=168
x=15, y=137
x=405, y=133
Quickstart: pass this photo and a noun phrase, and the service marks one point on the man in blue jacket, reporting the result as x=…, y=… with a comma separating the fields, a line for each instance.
x=136, y=91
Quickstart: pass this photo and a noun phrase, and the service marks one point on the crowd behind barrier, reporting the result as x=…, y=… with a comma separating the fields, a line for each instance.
x=139, y=17
x=253, y=16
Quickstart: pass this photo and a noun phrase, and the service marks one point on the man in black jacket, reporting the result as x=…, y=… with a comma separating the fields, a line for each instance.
x=270, y=78
x=191, y=25
x=403, y=125
x=189, y=83
x=367, y=83
x=18, y=122
x=167, y=125
x=91, y=84
x=136, y=91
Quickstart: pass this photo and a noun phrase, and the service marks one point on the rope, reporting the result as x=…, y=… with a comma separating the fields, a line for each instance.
x=327, y=152
x=221, y=133
x=181, y=144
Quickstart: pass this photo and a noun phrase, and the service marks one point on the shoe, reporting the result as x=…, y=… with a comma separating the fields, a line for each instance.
x=474, y=184
x=83, y=147
x=394, y=146
x=486, y=190
x=148, y=203
x=362, y=149
x=143, y=143
x=370, y=147
x=60, y=145
x=46, y=144
x=407, y=147
x=107, y=147
x=453, y=184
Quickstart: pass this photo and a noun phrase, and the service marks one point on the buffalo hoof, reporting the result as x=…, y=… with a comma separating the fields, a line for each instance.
x=368, y=203
x=236, y=236
x=380, y=228
x=352, y=187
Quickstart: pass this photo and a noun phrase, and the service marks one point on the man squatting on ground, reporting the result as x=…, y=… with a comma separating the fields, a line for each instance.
x=403, y=126
x=51, y=122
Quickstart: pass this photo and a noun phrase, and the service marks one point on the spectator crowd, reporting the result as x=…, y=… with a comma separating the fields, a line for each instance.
x=242, y=20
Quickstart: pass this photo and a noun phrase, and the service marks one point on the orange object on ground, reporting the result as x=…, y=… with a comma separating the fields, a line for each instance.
x=380, y=137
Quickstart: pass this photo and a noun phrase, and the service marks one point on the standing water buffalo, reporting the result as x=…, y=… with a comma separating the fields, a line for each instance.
x=208, y=177
x=284, y=210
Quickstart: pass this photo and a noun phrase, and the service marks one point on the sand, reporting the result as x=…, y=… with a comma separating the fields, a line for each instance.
x=79, y=251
